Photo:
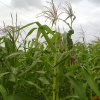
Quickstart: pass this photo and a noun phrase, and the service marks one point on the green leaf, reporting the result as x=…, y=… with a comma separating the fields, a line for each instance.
x=28, y=68
x=31, y=31
x=47, y=39
x=38, y=33
x=43, y=29
x=8, y=45
x=41, y=72
x=48, y=29
x=63, y=57
x=3, y=92
x=14, y=54
x=3, y=74
x=25, y=26
x=33, y=84
x=40, y=89
x=78, y=87
x=37, y=37
x=1, y=39
x=91, y=82
x=43, y=80
x=12, y=78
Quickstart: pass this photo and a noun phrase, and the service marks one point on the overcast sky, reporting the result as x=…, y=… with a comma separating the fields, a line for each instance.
x=87, y=14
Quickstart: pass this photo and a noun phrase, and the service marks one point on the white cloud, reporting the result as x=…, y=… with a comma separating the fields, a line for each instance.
x=86, y=11
x=26, y=3
x=95, y=1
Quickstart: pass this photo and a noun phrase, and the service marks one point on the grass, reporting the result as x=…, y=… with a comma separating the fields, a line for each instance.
x=33, y=70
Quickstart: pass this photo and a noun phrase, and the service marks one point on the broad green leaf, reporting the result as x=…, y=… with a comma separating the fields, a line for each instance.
x=41, y=72
x=8, y=45
x=12, y=78
x=38, y=33
x=28, y=68
x=43, y=30
x=14, y=54
x=63, y=57
x=96, y=68
x=3, y=74
x=48, y=29
x=47, y=39
x=31, y=31
x=79, y=89
x=43, y=80
x=3, y=92
x=25, y=26
x=1, y=39
x=33, y=84
x=37, y=37
x=36, y=86
x=90, y=80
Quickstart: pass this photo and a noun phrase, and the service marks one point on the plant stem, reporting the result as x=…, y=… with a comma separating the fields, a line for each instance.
x=55, y=80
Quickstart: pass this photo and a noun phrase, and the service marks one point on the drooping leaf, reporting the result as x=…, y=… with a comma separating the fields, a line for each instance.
x=79, y=89
x=37, y=87
x=41, y=72
x=31, y=31
x=3, y=92
x=48, y=29
x=33, y=84
x=14, y=54
x=25, y=26
x=43, y=80
x=47, y=39
x=91, y=82
x=3, y=74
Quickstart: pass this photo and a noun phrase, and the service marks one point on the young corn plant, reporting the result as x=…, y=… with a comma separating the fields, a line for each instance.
x=52, y=13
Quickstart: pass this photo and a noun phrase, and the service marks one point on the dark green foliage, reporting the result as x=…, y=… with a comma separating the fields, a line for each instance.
x=69, y=39
x=52, y=70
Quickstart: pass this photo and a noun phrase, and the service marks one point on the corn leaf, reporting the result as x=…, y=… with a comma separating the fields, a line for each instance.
x=47, y=39
x=31, y=31
x=48, y=29
x=14, y=54
x=25, y=26
x=3, y=74
x=3, y=92
x=43, y=80
x=79, y=89
x=36, y=86
x=90, y=80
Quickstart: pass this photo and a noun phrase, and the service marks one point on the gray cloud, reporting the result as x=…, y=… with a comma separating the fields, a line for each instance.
x=97, y=2
x=75, y=1
x=91, y=1
x=94, y=1
x=26, y=3
x=72, y=1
